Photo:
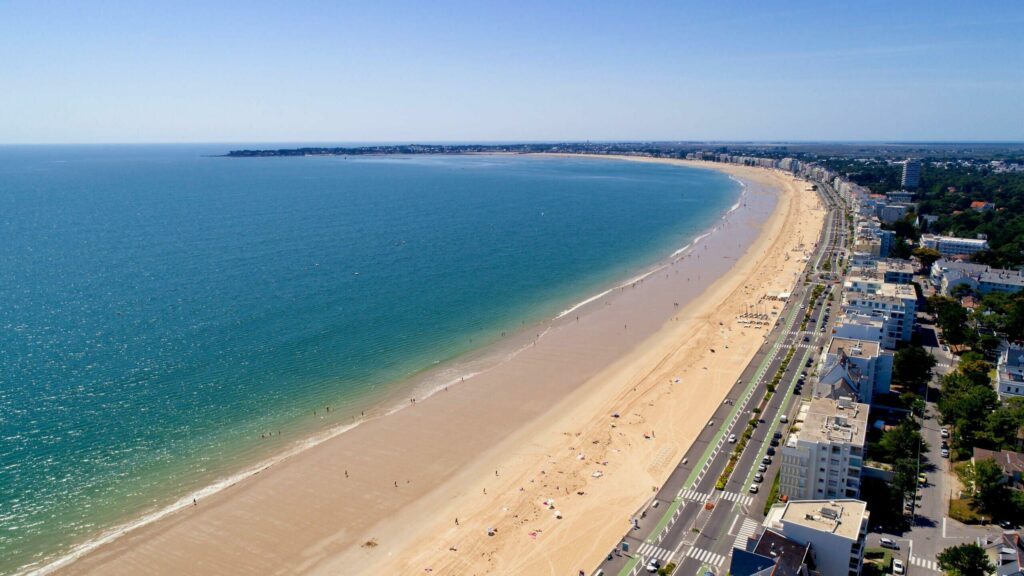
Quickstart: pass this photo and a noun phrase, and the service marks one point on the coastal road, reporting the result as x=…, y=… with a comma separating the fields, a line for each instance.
x=689, y=521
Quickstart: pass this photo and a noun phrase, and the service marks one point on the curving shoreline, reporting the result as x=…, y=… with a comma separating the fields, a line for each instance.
x=166, y=544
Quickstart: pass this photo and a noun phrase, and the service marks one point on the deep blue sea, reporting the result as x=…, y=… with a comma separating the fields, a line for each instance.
x=161, y=309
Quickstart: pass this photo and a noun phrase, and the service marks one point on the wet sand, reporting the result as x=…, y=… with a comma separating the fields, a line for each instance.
x=385, y=495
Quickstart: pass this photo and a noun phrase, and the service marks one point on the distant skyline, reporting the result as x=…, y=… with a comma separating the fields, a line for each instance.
x=297, y=72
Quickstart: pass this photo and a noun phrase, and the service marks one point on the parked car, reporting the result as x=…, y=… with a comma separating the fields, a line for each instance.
x=753, y=488
x=758, y=477
x=944, y=433
x=922, y=479
x=653, y=565
x=732, y=438
x=762, y=468
x=783, y=419
x=898, y=567
x=774, y=442
x=771, y=451
x=767, y=460
x=944, y=453
x=889, y=543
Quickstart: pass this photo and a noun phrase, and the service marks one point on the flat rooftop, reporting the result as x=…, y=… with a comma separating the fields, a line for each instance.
x=840, y=517
x=834, y=421
x=854, y=348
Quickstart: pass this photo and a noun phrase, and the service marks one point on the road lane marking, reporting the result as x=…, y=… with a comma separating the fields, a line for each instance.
x=706, y=556
x=746, y=532
x=926, y=564
x=693, y=495
x=652, y=551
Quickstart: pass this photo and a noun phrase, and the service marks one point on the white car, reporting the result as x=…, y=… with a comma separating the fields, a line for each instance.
x=783, y=419
x=732, y=438
x=653, y=565
x=753, y=488
x=944, y=433
x=898, y=567
x=944, y=453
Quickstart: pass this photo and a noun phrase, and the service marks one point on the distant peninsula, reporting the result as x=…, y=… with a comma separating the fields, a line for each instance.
x=714, y=151
x=393, y=149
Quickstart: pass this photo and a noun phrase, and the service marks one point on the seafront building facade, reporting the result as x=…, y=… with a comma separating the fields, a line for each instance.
x=896, y=304
x=835, y=530
x=854, y=368
x=823, y=456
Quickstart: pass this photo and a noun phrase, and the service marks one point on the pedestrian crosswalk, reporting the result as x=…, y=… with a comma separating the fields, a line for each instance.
x=693, y=495
x=746, y=532
x=651, y=551
x=706, y=556
x=704, y=496
x=743, y=499
x=926, y=564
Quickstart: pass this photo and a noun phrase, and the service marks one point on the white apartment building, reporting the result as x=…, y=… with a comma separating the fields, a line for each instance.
x=823, y=457
x=895, y=303
x=953, y=246
x=868, y=327
x=835, y=530
x=1010, y=373
x=858, y=368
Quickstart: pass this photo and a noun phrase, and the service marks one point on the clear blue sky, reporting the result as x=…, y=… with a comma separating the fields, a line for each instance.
x=294, y=71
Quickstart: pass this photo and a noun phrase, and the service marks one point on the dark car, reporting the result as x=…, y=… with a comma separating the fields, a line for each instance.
x=771, y=451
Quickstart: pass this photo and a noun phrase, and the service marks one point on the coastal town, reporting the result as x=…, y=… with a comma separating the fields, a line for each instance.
x=878, y=430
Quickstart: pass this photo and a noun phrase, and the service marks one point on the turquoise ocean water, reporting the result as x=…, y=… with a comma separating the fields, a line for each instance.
x=161, y=309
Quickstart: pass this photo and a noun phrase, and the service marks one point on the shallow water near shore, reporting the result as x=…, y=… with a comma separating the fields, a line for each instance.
x=172, y=317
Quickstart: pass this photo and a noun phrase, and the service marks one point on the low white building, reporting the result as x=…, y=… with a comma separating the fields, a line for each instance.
x=953, y=246
x=981, y=279
x=834, y=529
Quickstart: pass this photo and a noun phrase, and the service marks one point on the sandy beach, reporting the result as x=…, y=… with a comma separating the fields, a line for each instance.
x=416, y=491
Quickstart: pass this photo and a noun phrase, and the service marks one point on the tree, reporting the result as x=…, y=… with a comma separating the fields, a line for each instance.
x=927, y=256
x=990, y=493
x=965, y=560
x=952, y=319
x=912, y=366
x=1004, y=423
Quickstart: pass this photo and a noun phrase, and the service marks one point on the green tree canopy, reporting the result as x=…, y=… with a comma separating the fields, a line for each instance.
x=965, y=560
x=912, y=366
x=927, y=256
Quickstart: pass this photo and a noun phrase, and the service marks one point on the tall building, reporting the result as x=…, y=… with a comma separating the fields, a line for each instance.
x=911, y=174
x=823, y=457
x=896, y=304
x=834, y=530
